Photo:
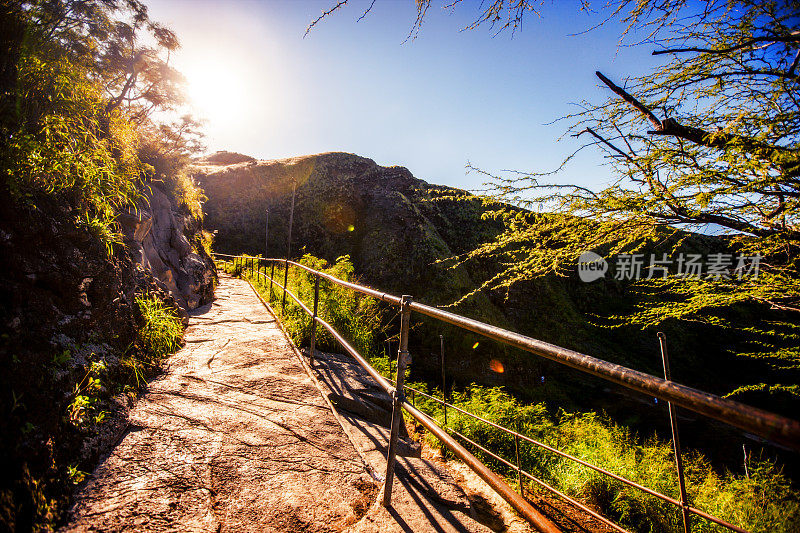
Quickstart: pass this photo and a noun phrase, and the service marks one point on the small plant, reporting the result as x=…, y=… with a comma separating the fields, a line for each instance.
x=162, y=330
x=61, y=358
x=207, y=241
x=75, y=475
x=86, y=395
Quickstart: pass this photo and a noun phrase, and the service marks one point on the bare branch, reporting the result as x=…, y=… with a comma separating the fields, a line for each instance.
x=770, y=39
x=365, y=13
x=325, y=14
x=630, y=99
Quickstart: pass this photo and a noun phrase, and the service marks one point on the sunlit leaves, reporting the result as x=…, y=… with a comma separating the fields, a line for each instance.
x=712, y=147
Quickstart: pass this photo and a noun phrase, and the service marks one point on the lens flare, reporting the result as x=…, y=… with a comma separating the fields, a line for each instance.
x=496, y=366
x=339, y=217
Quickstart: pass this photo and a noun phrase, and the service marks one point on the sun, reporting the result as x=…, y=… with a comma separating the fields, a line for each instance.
x=218, y=90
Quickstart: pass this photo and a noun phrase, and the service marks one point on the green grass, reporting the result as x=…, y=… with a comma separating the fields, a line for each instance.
x=159, y=335
x=162, y=330
x=764, y=502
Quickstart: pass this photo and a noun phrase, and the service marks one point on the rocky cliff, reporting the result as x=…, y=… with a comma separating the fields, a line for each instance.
x=394, y=226
x=70, y=354
x=167, y=242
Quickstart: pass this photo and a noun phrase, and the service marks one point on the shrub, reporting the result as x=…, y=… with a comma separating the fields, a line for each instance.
x=162, y=330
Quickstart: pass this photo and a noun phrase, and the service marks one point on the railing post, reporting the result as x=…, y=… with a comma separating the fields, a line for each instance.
x=314, y=318
x=271, y=276
x=676, y=442
x=746, y=471
x=444, y=383
x=519, y=465
x=403, y=358
x=285, y=278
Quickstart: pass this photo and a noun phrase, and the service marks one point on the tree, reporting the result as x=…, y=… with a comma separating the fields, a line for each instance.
x=106, y=37
x=707, y=142
x=83, y=79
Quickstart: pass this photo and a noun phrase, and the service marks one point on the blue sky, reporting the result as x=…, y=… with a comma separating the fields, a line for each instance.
x=430, y=104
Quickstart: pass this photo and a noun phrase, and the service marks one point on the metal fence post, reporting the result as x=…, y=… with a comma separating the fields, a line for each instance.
x=746, y=471
x=444, y=383
x=403, y=358
x=285, y=278
x=519, y=465
x=271, y=276
x=673, y=422
x=314, y=318
x=288, y=245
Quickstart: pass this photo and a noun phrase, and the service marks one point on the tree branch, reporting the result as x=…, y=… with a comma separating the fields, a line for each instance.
x=325, y=14
x=718, y=140
x=630, y=99
x=792, y=37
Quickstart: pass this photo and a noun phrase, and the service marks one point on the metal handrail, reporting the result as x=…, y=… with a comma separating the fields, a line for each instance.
x=768, y=425
x=603, y=471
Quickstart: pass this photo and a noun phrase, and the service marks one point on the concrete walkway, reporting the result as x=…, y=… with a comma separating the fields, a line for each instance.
x=237, y=437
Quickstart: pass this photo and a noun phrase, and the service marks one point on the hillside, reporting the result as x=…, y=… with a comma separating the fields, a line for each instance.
x=396, y=227
x=74, y=351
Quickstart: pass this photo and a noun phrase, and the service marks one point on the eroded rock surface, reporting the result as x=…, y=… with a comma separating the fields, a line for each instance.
x=234, y=437
x=158, y=238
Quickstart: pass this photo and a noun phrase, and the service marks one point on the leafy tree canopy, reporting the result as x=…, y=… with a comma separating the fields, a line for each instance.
x=705, y=143
x=83, y=82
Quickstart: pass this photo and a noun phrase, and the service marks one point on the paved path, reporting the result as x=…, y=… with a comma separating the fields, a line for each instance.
x=237, y=437
x=234, y=437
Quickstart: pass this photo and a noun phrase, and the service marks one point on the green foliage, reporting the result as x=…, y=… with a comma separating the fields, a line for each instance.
x=81, y=409
x=723, y=155
x=63, y=151
x=76, y=476
x=162, y=330
x=167, y=148
x=76, y=111
x=766, y=501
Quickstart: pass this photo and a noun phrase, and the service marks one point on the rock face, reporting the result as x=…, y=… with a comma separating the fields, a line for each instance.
x=68, y=312
x=158, y=240
x=394, y=226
